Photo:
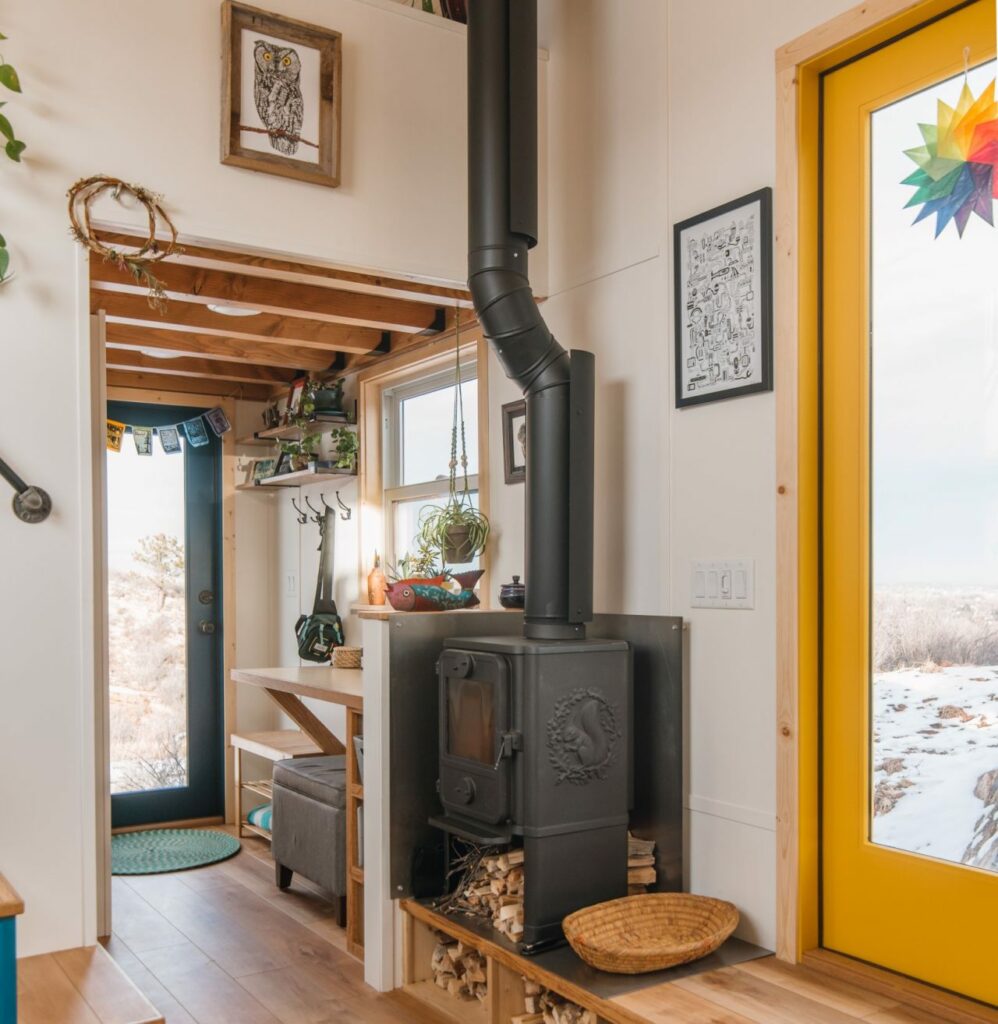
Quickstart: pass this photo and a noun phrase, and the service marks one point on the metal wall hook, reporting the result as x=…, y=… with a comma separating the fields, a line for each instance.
x=31, y=504
x=302, y=516
x=317, y=516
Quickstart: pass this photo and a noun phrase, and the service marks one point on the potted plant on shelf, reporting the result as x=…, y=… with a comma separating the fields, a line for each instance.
x=456, y=529
x=303, y=449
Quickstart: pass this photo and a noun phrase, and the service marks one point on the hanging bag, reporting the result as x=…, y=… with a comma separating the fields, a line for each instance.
x=321, y=631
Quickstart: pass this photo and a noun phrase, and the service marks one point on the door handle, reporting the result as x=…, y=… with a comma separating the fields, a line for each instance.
x=206, y=627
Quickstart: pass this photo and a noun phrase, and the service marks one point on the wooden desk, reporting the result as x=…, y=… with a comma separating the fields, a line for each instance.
x=286, y=687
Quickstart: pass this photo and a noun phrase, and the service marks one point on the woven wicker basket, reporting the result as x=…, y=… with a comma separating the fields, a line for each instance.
x=649, y=932
x=347, y=657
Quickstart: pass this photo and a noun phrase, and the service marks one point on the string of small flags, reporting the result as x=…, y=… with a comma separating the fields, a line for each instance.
x=193, y=430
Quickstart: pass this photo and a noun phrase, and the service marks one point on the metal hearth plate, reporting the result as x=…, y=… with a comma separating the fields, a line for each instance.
x=565, y=963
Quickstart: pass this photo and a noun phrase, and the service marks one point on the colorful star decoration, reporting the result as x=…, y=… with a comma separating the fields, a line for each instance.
x=958, y=165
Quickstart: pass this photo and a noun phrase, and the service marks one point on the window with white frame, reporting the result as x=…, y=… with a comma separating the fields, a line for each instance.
x=417, y=419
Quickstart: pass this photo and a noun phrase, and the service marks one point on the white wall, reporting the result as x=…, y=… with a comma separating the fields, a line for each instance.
x=131, y=91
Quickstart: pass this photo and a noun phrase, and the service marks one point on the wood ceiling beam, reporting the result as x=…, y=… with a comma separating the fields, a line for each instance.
x=271, y=295
x=144, y=381
x=400, y=286
x=245, y=373
x=191, y=316
x=211, y=346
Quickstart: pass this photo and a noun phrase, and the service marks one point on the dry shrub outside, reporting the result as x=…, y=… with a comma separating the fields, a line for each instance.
x=925, y=626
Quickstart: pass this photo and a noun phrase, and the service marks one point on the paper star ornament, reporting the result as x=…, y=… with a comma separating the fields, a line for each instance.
x=958, y=165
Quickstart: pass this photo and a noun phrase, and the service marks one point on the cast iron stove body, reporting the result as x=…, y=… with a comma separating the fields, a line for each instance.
x=534, y=747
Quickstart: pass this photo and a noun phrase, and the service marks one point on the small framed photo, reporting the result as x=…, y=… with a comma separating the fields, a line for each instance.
x=282, y=464
x=723, y=264
x=280, y=95
x=261, y=469
x=514, y=441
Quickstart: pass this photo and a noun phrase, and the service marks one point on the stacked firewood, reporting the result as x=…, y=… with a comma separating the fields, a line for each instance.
x=495, y=890
x=459, y=969
x=543, y=1006
x=640, y=864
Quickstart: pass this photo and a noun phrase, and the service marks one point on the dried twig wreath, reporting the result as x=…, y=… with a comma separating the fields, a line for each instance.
x=136, y=261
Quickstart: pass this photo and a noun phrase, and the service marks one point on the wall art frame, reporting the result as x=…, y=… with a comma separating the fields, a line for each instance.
x=281, y=95
x=723, y=301
x=514, y=456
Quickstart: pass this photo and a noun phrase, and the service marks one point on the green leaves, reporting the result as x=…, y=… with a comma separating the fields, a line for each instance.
x=4, y=258
x=8, y=77
x=14, y=149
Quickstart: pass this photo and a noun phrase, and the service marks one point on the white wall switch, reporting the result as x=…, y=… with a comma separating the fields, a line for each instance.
x=292, y=585
x=723, y=584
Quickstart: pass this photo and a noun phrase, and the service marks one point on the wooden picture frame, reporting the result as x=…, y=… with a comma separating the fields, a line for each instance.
x=300, y=99
x=723, y=292
x=514, y=456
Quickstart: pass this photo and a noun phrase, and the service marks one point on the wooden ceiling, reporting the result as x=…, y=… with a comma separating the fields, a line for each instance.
x=302, y=317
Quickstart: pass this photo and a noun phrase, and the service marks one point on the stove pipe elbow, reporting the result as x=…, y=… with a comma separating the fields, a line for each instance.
x=502, y=227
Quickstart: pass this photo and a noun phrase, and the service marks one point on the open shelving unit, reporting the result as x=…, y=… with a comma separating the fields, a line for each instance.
x=301, y=478
x=355, y=859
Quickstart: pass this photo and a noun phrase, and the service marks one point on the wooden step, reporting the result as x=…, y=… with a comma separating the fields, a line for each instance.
x=79, y=986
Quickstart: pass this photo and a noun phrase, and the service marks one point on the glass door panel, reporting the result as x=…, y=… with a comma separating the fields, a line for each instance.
x=934, y=474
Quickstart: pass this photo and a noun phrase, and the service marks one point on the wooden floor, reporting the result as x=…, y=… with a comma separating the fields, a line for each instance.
x=222, y=945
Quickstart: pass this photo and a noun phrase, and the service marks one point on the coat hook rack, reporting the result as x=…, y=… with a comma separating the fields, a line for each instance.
x=302, y=516
x=31, y=504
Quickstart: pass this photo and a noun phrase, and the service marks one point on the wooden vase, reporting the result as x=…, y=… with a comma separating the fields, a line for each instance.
x=376, y=582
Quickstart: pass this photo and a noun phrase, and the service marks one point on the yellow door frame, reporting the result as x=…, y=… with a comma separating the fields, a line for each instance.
x=799, y=65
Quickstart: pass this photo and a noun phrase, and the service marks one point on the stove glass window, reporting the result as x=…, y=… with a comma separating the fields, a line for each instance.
x=471, y=719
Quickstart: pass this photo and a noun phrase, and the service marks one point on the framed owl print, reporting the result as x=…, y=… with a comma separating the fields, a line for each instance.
x=280, y=95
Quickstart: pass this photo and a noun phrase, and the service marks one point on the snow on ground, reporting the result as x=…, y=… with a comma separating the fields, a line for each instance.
x=936, y=733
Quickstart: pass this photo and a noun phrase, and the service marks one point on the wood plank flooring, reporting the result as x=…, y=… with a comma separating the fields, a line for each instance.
x=223, y=945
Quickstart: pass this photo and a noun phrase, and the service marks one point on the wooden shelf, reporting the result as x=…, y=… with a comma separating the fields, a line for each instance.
x=343, y=686
x=292, y=433
x=304, y=477
x=262, y=787
x=460, y=1010
x=276, y=745
x=256, y=830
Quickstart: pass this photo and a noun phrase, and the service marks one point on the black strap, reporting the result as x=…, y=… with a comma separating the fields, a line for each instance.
x=324, y=602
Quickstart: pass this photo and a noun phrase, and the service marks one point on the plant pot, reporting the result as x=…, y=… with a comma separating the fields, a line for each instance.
x=458, y=549
x=300, y=462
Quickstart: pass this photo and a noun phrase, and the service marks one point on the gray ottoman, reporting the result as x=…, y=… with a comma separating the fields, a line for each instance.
x=309, y=826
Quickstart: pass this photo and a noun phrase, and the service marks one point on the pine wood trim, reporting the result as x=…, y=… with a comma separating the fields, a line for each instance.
x=175, y=386
x=202, y=369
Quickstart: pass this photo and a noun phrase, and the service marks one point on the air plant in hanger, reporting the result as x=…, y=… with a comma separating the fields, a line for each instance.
x=456, y=529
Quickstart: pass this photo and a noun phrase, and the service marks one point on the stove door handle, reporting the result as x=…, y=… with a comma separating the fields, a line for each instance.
x=508, y=742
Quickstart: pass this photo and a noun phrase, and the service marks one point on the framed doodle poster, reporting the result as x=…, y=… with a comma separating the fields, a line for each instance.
x=724, y=301
x=280, y=95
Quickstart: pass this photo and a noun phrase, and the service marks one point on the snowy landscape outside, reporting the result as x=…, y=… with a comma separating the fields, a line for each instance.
x=147, y=620
x=934, y=699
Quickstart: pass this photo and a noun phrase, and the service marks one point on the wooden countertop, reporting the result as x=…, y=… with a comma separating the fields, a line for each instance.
x=334, y=685
x=10, y=903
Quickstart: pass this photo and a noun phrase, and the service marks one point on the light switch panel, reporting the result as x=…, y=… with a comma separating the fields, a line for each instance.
x=723, y=584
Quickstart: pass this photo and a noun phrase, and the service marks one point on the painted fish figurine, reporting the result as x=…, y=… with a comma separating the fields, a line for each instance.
x=435, y=594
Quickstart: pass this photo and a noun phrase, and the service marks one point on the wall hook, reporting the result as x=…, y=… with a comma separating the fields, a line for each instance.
x=317, y=517
x=302, y=516
x=31, y=504
x=347, y=511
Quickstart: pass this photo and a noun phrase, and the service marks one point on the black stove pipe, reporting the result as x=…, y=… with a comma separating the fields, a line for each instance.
x=502, y=227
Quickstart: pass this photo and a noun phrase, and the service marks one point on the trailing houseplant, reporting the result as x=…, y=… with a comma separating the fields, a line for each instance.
x=305, y=447
x=456, y=529
x=345, y=445
x=13, y=147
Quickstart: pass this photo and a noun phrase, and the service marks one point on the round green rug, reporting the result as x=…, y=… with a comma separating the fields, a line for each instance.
x=169, y=849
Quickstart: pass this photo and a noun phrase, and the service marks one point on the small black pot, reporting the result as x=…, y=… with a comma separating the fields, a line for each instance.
x=512, y=595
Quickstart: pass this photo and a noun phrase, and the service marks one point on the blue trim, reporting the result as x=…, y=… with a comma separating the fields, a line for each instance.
x=8, y=970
